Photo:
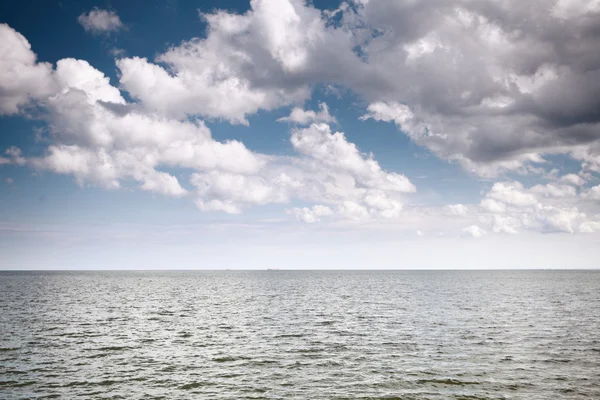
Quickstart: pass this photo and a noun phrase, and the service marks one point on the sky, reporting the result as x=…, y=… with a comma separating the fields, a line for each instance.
x=371, y=134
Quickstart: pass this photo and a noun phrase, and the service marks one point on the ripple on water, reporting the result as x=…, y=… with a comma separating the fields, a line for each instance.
x=306, y=335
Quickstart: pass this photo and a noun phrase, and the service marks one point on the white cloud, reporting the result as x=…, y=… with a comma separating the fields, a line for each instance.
x=512, y=193
x=334, y=151
x=453, y=75
x=436, y=139
x=236, y=70
x=117, y=52
x=330, y=170
x=564, y=9
x=102, y=140
x=474, y=231
x=590, y=227
x=310, y=215
x=218, y=191
x=505, y=224
x=459, y=210
x=554, y=190
x=13, y=156
x=208, y=94
x=22, y=79
x=593, y=193
x=302, y=117
x=353, y=211
x=100, y=21
x=560, y=220
x=553, y=207
x=454, y=80
x=572, y=179
x=493, y=206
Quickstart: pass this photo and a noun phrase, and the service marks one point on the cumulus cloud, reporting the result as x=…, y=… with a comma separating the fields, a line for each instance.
x=310, y=215
x=495, y=87
x=227, y=192
x=593, y=193
x=511, y=207
x=469, y=81
x=572, y=179
x=101, y=139
x=13, y=155
x=100, y=21
x=481, y=87
x=328, y=169
x=474, y=231
x=334, y=151
x=459, y=210
x=22, y=78
x=590, y=227
x=305, y=117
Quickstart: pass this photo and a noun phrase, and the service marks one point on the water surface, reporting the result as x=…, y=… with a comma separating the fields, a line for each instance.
x=300, y=334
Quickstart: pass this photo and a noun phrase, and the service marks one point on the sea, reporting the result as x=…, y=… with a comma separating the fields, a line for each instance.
x=277, y=334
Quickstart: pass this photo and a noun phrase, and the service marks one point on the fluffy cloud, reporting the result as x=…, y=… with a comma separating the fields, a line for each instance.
x=13, y=155
x=22, y=79
x=459, y=210
x=310, y=215
x=227, y=192
x=474, y=231
x=100, y=21
x=511, y=193
x=469, y=81
x=593, y=193
x=463, y=79
x=305, y=117
x=334, y=151
x=572, y=179
x=553, y=207
x=459, y=78
x=590, y=227
x=102, y=145
x=101, y=139
x=328, y=169
x=271, y=56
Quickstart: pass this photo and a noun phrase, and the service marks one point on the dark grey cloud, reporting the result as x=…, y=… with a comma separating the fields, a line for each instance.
x=494, y=84
x=540, y=58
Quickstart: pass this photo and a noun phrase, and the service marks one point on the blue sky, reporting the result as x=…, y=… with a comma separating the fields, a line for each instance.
x=287, y=134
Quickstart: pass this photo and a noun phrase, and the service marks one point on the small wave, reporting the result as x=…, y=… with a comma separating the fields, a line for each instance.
x=264, y=362
x=229, y=359
x=447, y=381
x=290, y=335
x=309, y=350
x=16, y=372
x=194, y=385
x=76, y=383
x=556, y=360
x=113, y=348
x=99, y=355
